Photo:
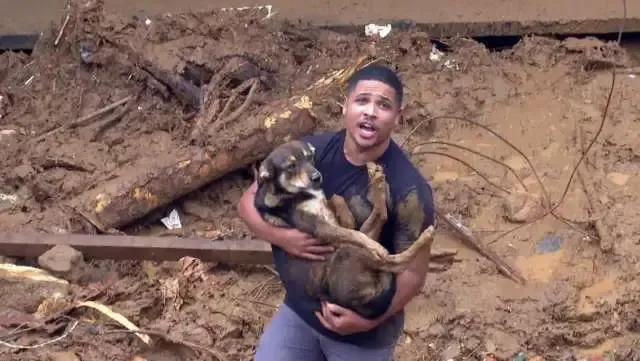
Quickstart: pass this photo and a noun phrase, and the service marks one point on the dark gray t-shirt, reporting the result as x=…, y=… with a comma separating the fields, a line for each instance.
x=351, y=182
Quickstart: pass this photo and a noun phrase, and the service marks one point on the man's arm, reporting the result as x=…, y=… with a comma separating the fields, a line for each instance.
x=291, y=240
x=254, y=221
x=414, y=213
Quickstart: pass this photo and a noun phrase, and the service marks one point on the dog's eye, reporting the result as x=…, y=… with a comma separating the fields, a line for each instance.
x=291, y=166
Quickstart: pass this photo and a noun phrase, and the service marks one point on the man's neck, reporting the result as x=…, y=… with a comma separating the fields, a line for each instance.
x=359, y=157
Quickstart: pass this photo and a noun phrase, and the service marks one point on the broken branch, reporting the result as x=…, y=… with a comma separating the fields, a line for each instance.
x=605, y=242
x=222, y=120
x=86, y=118
x=170, y=339
x=474, y=243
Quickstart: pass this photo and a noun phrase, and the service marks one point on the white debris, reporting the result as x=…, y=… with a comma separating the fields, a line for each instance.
x=11, y=198
x=377, y=30
x=269, y=9
x=172, y=221
x=435, y=54
x=29, y=80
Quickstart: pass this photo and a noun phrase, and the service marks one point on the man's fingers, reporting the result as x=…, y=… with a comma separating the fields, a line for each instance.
x=334, y=309
x=323, y=321
x=319, y=249
x=312, y=256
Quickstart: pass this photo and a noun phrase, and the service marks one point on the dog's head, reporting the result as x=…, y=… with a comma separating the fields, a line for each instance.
x=291, y=168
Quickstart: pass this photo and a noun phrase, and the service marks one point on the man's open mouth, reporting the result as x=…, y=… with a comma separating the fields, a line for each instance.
x=367, y=130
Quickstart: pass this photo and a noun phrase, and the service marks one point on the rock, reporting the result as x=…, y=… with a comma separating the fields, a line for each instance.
x=436, y=330
x=472, y=343
x=63, y=356
x=233, y=332
x=618, y=178
x=502, y=345
x=521, y=207
x=60, y=260
x=25, y=288
x=451, y=352
x=22, y=173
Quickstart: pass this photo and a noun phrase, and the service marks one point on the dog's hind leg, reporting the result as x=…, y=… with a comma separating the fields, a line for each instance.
x=398, y=262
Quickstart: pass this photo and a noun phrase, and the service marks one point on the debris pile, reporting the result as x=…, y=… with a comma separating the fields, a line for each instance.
x=151, y=127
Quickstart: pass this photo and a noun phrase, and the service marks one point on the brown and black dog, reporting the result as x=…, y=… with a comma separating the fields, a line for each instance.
x=290, y=195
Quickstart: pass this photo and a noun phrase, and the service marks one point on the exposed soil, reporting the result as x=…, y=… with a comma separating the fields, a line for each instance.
x=579, y=301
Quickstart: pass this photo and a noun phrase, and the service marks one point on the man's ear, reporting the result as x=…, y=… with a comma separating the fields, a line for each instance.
x=399, y=118
x=265, y=172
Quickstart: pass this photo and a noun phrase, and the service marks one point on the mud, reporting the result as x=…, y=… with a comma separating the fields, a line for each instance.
x=578, y=301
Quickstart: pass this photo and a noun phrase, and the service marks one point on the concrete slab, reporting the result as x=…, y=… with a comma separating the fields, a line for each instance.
x=440, y=18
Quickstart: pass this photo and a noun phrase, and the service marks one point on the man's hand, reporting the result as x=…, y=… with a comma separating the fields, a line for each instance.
x=303, y=245
x=343, y=321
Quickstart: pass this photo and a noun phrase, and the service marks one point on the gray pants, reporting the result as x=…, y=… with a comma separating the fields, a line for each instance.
x=289, y=338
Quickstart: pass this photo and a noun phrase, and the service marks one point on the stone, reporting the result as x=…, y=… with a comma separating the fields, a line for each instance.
x=436, y=330
x=520, y=207
x=60, y=260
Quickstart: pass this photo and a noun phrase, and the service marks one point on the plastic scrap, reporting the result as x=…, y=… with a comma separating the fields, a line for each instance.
x=550, y=243
x=172, y=221
x=377, y=30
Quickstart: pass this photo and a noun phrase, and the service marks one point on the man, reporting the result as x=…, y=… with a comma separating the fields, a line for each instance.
x=304, y=328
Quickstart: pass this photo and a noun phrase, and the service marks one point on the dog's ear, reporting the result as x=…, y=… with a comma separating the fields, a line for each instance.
x=265, y=172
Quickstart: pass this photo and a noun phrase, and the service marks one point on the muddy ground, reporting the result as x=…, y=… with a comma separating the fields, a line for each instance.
x=580, y=300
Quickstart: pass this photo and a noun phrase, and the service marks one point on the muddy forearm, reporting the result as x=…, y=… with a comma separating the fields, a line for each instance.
x=256, y=224
x=408, y=284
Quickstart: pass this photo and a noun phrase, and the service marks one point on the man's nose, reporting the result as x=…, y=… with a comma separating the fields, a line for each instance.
x=370, y=109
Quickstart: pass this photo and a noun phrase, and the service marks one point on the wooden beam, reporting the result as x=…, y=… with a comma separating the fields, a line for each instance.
x=138, y=247
x=24, y=42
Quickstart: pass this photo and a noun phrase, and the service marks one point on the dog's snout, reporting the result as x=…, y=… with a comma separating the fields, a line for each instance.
x=316, y=177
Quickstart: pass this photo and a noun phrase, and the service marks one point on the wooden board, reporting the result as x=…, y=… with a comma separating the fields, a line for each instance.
x=138, y=247
x=439, y=18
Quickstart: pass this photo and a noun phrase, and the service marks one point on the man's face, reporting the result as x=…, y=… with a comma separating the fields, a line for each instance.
x=371, y=113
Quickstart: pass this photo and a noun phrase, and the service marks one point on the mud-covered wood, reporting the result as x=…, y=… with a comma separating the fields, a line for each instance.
x=138, y=247
x=137, y=192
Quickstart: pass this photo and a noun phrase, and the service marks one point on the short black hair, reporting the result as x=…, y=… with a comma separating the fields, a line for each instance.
x=380, y=73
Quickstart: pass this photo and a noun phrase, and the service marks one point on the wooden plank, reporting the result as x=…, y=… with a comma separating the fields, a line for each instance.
x=439, y=18
x=25, y=42
x=138, y=247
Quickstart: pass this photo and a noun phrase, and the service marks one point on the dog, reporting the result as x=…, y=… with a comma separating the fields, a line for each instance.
x=290, y=194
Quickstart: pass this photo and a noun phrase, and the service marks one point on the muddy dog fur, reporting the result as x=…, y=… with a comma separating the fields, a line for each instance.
x=290, y=194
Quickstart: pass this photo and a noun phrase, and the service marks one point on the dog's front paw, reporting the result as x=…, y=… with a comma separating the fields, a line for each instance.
x=377, y=178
